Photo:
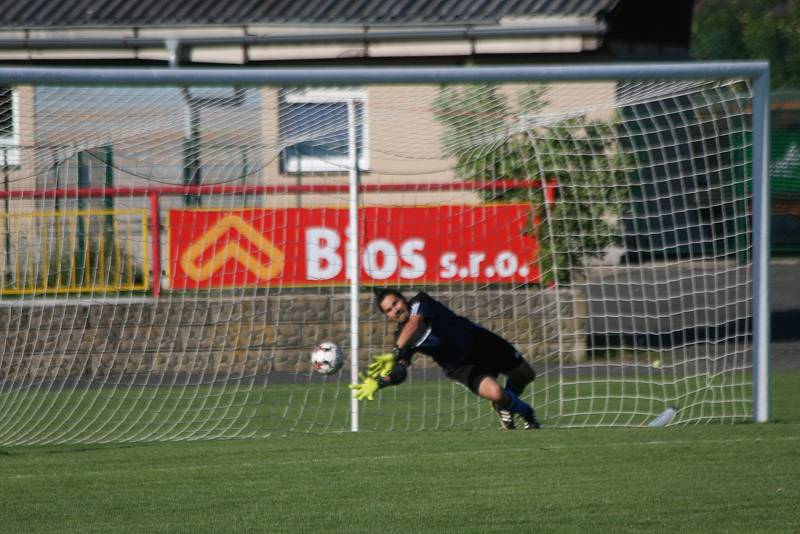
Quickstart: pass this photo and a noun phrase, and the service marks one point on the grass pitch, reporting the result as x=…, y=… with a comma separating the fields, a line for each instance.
x=710, y=478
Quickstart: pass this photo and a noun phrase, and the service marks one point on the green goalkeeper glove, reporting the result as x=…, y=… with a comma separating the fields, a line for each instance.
x=366, y=389
x=381, y=365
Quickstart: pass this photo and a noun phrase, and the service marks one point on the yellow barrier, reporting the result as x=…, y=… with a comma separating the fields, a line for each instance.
x=75, y=251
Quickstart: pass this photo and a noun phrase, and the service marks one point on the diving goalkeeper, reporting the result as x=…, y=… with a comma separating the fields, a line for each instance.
x=467, y=352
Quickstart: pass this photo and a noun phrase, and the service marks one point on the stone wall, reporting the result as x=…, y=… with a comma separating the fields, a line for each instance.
x=227, y=336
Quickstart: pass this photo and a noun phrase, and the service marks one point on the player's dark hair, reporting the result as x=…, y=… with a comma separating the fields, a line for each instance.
x=383, y=292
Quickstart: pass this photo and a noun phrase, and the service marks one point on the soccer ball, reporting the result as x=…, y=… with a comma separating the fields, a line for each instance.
x=327, y=358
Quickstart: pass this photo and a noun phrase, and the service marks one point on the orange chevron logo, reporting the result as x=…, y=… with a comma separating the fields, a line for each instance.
x=233, y=251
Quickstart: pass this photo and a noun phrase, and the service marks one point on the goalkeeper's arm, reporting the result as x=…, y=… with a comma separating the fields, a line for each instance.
x=397, y=375
x=402, y=353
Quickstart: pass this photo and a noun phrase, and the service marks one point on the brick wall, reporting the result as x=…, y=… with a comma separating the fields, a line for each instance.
x=229, y=336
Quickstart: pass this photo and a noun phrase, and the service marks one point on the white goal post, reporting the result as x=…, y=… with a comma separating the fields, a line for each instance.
x=176, y=241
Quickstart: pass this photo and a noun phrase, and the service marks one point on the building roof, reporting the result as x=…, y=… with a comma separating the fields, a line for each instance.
x=339, y=32
x=110, y=13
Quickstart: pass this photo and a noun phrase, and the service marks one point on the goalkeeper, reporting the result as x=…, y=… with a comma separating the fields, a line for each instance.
x=467, y=352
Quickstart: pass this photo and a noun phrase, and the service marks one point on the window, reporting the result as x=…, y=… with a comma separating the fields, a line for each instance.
x=9, y=127
x=314, y=128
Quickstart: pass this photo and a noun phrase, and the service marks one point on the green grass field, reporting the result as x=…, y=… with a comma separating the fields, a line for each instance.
x=709, y=478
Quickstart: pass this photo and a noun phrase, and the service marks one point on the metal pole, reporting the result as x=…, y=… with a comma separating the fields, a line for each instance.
x=298, y=176
x=81, y=261
x=191, y=146
x=352, y=256
x=8, y=273
x=245, y=169
x=761, y=243
x=54, y=264
x=155, y=241
x=221, y=189
x=109, y=239
x=364, y=75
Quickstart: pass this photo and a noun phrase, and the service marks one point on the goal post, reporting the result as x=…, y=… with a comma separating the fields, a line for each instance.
x=612, y=221
x=761, y=244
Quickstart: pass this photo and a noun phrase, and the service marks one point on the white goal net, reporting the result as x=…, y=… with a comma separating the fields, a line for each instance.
x=172, y=254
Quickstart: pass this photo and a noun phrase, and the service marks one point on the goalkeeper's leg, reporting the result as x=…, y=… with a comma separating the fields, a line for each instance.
x=506, y=417
x=501, y=357
x=518, y=378
x=488, y=388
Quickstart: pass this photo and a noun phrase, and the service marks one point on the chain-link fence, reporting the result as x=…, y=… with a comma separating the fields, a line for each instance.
x=784, y=172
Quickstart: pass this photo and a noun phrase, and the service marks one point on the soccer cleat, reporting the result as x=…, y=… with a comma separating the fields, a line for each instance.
x=506, y=418
x=529, y=421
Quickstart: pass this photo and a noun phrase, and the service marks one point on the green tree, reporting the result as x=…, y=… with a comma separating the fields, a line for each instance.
x=750, y=29
x=489, y=143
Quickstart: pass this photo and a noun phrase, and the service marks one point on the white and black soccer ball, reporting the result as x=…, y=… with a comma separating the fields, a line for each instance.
x=327, y=358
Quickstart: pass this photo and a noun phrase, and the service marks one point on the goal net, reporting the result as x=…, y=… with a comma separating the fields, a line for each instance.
x=172, y=254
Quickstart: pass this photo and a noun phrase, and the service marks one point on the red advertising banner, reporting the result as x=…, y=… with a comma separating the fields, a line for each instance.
x=307, y=246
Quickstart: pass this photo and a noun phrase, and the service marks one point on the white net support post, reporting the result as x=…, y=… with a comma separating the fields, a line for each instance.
x=176, y=242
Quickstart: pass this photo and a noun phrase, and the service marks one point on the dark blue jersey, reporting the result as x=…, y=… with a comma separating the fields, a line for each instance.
x=446, y=337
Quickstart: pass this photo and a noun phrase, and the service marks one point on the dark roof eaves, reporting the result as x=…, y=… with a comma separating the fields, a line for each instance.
x=395, y=14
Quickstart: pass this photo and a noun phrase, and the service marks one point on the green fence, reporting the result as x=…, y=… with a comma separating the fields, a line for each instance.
x=784, y=173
